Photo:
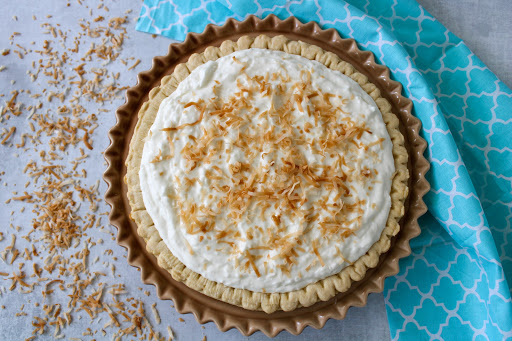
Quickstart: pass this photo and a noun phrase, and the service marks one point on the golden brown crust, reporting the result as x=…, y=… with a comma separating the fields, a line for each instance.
x=269, y=302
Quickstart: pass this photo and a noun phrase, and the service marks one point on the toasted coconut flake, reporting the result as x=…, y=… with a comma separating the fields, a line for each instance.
x=171, y=334
x=250, y=259
x=8, y=135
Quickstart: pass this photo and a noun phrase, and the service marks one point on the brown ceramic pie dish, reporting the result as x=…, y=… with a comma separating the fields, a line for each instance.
x=227, y=316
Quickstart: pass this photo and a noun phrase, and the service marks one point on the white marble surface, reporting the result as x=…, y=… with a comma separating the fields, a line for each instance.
x=368, y=323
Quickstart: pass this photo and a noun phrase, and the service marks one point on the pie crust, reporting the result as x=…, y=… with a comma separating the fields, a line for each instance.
x=321, y=290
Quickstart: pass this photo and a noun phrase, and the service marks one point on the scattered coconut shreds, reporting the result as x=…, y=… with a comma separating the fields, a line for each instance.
x=155, y=313
x=171, y=333
x=8, y=135
x=50, y=258
x=134, y=65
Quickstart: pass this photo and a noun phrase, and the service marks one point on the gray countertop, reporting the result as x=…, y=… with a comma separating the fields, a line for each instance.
x=486, y=27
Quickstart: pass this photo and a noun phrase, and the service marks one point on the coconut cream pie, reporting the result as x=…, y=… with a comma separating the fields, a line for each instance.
x=267, y=173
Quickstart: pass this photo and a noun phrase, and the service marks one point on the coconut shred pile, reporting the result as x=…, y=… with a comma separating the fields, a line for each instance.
x=54, y=221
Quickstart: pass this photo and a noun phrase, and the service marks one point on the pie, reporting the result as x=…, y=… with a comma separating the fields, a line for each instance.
x=267, y=173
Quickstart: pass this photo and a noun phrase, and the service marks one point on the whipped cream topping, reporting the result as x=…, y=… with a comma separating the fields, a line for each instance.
x=267, y=171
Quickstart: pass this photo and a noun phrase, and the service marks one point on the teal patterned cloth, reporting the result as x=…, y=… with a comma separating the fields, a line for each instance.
x=457, y=282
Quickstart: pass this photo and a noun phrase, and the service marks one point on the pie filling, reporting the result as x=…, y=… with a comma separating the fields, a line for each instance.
x=267, y=171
